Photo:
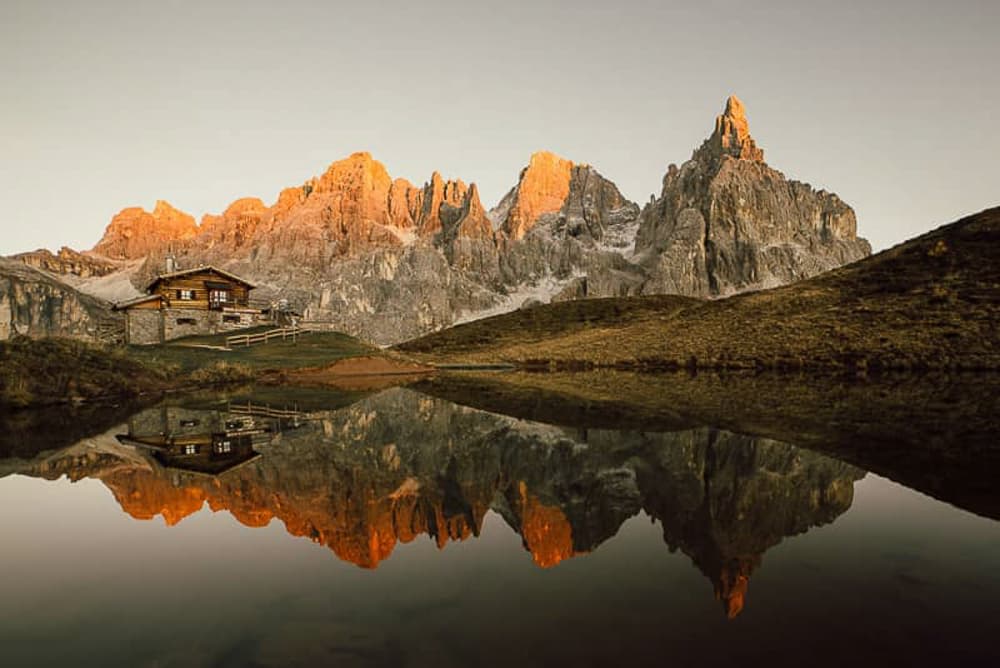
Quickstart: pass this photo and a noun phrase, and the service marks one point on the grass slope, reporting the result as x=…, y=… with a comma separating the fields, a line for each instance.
x=38, y=372
x=932, y=302
x=308, y=350
x=49, y=371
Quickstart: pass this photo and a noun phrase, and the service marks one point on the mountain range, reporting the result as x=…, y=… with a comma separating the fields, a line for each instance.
x=357, y=250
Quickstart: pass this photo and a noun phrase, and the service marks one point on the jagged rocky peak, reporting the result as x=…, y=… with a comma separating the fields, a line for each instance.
x=726, y=222
x=404, y=203
x=542, y=188
x=551, y=185
x=236, y=225
x=437, y=194
x=354, y=190
x=134, y=232
x=732, y=134
x=357, y=172
x=474, y=221
x=245, y=208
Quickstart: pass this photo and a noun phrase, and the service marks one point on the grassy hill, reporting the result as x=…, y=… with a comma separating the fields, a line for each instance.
x=38, y=372
x=932, y=302
x=307, y=350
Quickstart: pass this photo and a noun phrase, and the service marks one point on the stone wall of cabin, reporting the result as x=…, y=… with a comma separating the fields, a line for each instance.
x=178, y=322
x=143, y=327
x=150, y=326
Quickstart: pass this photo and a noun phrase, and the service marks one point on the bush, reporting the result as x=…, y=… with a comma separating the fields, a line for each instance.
x=221, y=373
x=14, y=392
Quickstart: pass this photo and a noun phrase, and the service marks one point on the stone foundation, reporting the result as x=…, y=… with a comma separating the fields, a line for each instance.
x=146, y=327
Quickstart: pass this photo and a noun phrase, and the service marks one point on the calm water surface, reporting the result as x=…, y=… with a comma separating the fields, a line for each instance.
x=399, y=529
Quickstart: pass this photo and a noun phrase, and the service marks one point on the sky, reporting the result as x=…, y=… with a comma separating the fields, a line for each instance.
x=892, y=104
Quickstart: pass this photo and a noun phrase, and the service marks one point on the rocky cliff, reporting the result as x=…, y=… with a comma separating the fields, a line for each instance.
x=35, y=304
x=68, y=262
x=379, y=257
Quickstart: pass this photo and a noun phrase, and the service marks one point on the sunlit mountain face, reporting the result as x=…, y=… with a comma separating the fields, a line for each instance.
x=594, y=517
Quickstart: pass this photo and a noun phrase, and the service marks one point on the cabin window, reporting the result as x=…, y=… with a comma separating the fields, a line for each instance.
x=231, y=318
x=223, y=447
x=218, y=297
x=185, y=295
x=190, y=449
x=186, y=321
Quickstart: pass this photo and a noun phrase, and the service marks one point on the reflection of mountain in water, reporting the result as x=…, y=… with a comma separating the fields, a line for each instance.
x=397, y=465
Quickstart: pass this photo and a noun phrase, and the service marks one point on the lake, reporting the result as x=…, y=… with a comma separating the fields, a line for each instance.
x=454, y=525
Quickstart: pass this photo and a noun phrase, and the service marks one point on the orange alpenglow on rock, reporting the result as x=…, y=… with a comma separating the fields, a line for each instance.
x=731, y=587
x=352, y=207
x=143, y=496
x=437, y=193
x=359, y=186
x=473, y=224
x=134, y=233
x=362, y=529
x=237, y=224
x=543, y=188
x=732, y=133
x=546, y=532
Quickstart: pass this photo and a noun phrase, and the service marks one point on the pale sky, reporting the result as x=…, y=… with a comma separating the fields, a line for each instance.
x=894, y=105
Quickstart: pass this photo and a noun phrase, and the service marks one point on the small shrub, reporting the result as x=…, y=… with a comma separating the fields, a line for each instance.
x=939, y=249
x=14, y=392
x=221, y=373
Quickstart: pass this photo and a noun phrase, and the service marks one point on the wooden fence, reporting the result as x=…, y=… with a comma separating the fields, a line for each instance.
x=263, y=410
x=248, y=340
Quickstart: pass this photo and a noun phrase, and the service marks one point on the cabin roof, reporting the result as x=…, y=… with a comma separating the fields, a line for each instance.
x=119, y=306
x=194, y=270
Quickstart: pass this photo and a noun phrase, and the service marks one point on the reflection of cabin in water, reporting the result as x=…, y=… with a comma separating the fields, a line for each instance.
x=203, y=300
x=208, y=441
x=202, y=441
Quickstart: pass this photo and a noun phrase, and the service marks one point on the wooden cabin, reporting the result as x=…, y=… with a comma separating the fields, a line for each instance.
x=202, y=300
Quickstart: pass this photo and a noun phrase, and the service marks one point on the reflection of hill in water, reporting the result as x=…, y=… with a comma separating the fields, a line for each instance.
x=396, y=465
x=937, y=434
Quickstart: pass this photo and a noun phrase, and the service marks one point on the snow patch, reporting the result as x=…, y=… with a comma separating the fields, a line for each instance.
x=542, y=289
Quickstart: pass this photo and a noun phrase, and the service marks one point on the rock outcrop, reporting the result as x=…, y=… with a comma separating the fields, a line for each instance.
x=67, y=262
x=35, y=304
x=725, y=222
x=575, y=197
